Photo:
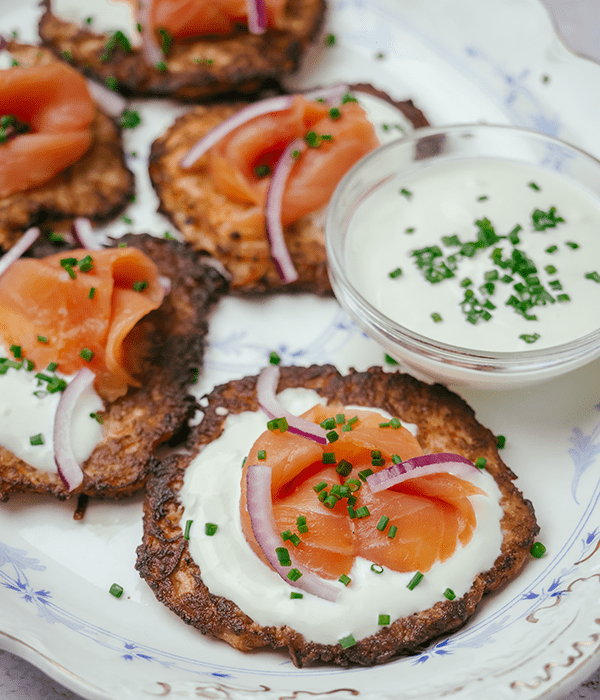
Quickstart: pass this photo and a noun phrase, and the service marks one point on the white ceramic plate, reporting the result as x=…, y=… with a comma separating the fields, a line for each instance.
x=462, y=61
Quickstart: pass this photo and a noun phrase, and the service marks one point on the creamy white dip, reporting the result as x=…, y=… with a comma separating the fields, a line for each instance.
x=28, y=410
x=229, y=567
x=438, y=206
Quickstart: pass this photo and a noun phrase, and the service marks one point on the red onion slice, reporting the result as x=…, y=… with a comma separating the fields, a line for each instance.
x=257, y=109
x=279, y=250
x=23, y=244
x=68, y=467
x=84, y=234
x=109, y=101
x=151, y=50
x=264, y=527
x=420, y=466
x=266, y=392
x=257, y=16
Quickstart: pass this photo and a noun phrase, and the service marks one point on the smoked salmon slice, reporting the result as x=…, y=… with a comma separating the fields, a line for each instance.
x=339, y=138
x=54, y=102
x=409, y=528
x=186, y=19
x=79, y=309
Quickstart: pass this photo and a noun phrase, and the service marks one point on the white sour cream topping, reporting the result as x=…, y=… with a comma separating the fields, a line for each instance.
x=107, y=16
x=23, y=414
x=211, y=493
x=446, y=200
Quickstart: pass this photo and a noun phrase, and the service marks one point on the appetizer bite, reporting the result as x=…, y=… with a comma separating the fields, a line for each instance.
x=250, y=184
x=97, y=352
x=345, y=519
x=61, y=155
x=188, y=49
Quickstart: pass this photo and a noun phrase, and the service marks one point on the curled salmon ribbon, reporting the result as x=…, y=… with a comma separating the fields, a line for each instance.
x=340, y=138
x=429, y=516
x=58, y=313
x=186, y=19
x=53, y=101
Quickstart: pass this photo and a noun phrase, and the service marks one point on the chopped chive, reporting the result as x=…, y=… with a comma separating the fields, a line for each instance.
x=390, y=360
x=294, y=595
x=351, y=511
x=320, y=486
x=378, y=461
x=332, y=436
x=573, y=245
x=16, y=351
x=97, y=417
x=352, y=501
x=328, y=458
x=348, y=641
x=301, y=524
x=383, y=522
x=377, y=568
x=188, y=527
x=530, y=338
x=395, y=423
x=286, y=534
x=347, y=428
x=116, y=590
x=384, y=620
x=594, y=276
x=334, y=113
x=283, y=556
x=322, y=495
x=344, y=467
x=537, y=550
x=396, y=459
x=86, y=354
x=500, y=442
x=415, y=581
x=353, y=484
x=406, y=193
x=274, y=358
x=534, y=186
x=161, y=66
x=37, y=439
x=294, y=574
x=344, y=579
x=328, y=423
x=450, y=594
x=130, y=119
x=262, y=454
x=295, y=540
x=395, y=273
x=364, y=474
x=91, y=292
x=352, y=421
x=139, y=286
x=329, y=40
x=435, y=317
x=210, y=529
x=86, y=263
x=362, y=512
x=392, y=532
x=480, y=462
x=330, y=502
x=340, y=418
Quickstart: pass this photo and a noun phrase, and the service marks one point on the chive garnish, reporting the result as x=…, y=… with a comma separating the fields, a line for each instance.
x=294, y=574
x=16, y=351
x=352, y=484
x=377, y=568
x=500, y=441
x=294, y=595
x=262, y=454
x=348, y=641
x=480, y=462
x=328, y=458
x=395, y=273
x=344, y=467
x=116, y=590
x=362, y=475
x=86, y=354
x=328, y=423
x=351, y=511
x=130, y=119
x=52, y=367
x=92, y=292
x=210, y=529
x=537, y=550
x=384, y=620
x=320, y=486
x=332, y=436
x=392, y=532
x=415, y=580
x=139, y=286
x=186, y=532
x=37, y=439
x=344, y=579
x=97, y=417
x=301, y=524
x=449, y=594
x=383, y=522
x=283, y=556
x=362, y=512
x=285, y=535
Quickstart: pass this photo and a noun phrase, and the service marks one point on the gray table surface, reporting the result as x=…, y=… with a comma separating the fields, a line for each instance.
x=578, y=23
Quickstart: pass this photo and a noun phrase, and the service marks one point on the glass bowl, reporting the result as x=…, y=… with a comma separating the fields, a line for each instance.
x=456, y=175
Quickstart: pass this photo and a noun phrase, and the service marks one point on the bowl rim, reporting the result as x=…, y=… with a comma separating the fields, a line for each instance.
x=520, y=361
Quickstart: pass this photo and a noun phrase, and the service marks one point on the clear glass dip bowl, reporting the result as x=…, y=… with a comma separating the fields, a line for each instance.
x=422, y=153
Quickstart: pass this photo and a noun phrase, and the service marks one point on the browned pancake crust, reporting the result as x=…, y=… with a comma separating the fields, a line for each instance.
x=212, y=66
x=445, y=424
x=98, y=186
x=138, y=422
x=210, y=222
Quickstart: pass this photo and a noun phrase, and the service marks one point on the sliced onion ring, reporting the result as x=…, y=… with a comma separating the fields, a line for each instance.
x=109, y=101
x=257, y=16
x=84, y=234
x=420, y=466
x=68, y=467
x=264, y=527
x=151, y=51
x=23, y=244
x=279, y=250
x=266, y=392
